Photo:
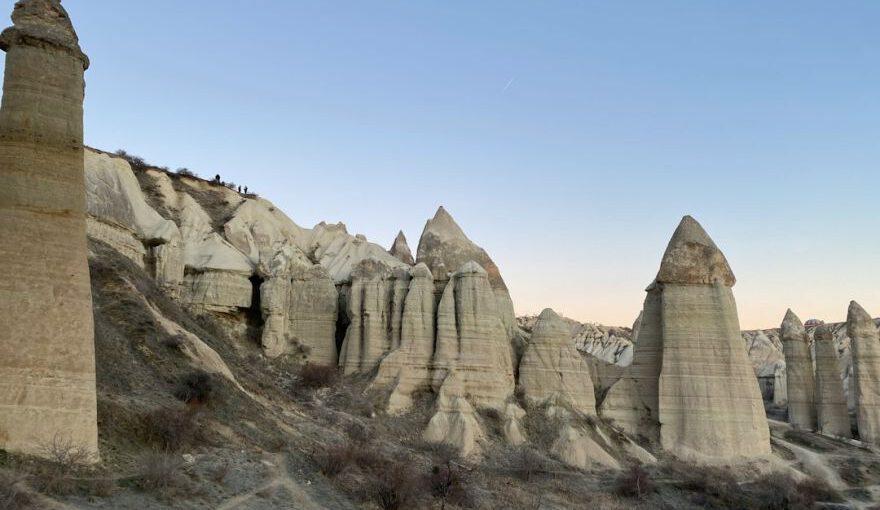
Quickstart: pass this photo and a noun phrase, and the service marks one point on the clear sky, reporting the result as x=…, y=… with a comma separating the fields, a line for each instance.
x=567, y=138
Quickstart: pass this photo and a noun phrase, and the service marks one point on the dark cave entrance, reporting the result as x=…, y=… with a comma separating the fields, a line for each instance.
x=255, y=312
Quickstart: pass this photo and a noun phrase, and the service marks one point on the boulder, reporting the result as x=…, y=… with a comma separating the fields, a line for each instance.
x=553, y=366
x=831, y=410
x=865, y=345
x=800, y=383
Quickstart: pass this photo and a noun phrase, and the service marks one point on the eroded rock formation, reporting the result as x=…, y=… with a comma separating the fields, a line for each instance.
x=866, y=371
x=800, y=383
x=831, y=410
x=47, y=357
x=400, y=250
x=553, y=368
x=444, y=245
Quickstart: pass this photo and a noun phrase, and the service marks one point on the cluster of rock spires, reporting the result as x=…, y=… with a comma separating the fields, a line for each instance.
x=441, y=322
x=816, y=395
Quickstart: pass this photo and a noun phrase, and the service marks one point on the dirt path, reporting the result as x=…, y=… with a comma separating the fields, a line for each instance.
x=280, y=478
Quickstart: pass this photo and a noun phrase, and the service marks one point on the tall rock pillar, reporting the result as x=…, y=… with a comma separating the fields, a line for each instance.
x=801, y=385
x=47, y=356
x=831, y=411
x=865, y=382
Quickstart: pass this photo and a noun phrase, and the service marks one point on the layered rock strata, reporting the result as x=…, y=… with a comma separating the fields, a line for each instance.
x=800, y=382
x=831, y=410
x=552, y=366
x=866, y=371
x=47, y=357
x=444, y=244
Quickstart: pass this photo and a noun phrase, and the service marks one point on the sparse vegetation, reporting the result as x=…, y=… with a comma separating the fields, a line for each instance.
x=13, y=492
x=315, y=376
x=394, y=487
x=64, y=460
x=196, y=388
x=170, y=428
x=635, y=482
x=160, y=471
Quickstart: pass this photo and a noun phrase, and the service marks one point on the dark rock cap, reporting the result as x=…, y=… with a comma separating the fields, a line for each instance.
x=692, y=258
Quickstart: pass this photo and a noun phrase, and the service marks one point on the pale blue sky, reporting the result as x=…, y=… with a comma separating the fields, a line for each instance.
x=567, y=138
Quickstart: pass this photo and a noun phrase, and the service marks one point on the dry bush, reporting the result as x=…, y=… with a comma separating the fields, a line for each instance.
x=333, y=460
x=635, y=483
x=358, y=432
x=315, y=376
x=526, y=462
x=13, y=492
x=170, y=429
x=64, y=460
x=448, y=482
x=160, y=471
x=394, y=487
x=195, y=388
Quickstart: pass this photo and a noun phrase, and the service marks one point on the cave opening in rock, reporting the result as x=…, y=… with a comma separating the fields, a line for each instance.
x=255, y=312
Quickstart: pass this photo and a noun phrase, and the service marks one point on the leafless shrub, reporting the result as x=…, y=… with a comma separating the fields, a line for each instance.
x=160, y=471
x=394, y=487
x=334, y=459
x=221, y=471
x=173, y=342
x=186, y=172
x=64, y=459
x=635, y=482
x=170, y=429
x=13, y=492
x=448, y=482
x=358, y=432
x=314, y=376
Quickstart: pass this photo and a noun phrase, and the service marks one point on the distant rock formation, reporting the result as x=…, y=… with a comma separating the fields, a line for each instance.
x=47, y=351
x=780, y=387
x=831, y=410
x=866, y=371
x=800, y=383
x=400, y=250
x=691, y=385
x=553, y=369
x=444, y=245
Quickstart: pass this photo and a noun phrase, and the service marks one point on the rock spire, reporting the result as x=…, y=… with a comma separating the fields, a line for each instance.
x=800, y=383
x=831, y=411
x=865, y=347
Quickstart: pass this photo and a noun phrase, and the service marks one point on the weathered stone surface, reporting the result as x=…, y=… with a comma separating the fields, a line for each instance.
x=444, y=243
x=314, y=305
x=260, y=231
x=552, y=366
x=866, y=371
x=800, y=383
x=709, y=400
x=691, y=258
x=400, y=250
x=455, y=422
x=120, y=216
x=780, y=387
x=340, y=252
x=471, y=339
x=373, y=300
x=575, y=447
x=407, y=369
x=47, y=357
x=831, y=410
x=633, y=402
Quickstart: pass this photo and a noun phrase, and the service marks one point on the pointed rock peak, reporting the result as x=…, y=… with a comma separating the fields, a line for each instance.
x=693, y=258
x=400, y=249
x=858, y=322
x=857, y=314
x=548, y=315
x=444, y=226
x=792, y=324
x=551, y=327
x=471, y=268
